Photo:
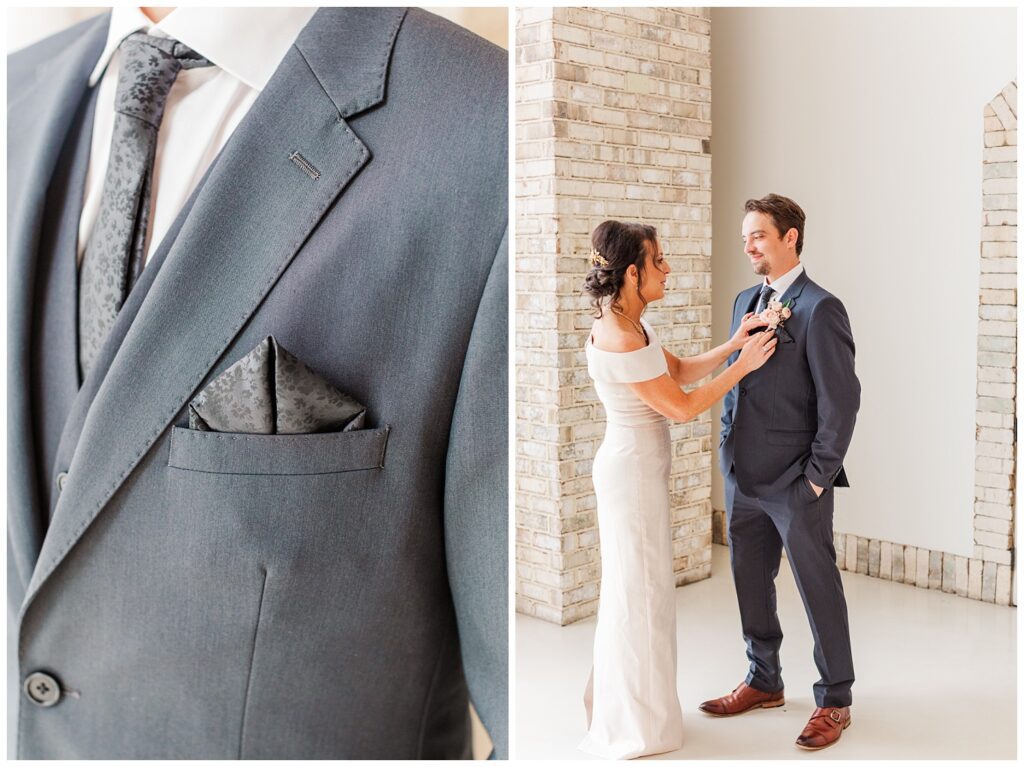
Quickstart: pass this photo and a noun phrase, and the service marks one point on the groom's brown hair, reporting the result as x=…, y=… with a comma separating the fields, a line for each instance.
x=785, y=215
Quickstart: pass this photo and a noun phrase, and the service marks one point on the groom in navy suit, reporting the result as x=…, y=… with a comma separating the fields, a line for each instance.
x=785, y=431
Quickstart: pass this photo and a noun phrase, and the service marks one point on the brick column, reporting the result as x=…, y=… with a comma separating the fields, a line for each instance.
x=613, y=121
x=991, y=569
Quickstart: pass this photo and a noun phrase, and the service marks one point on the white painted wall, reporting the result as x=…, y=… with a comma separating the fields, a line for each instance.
x=871, y=119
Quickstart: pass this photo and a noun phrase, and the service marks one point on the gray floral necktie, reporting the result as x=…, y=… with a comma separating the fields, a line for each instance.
x=113, y=254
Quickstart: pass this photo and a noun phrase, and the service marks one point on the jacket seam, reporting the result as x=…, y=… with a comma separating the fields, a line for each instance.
x=316, y=77
x=252, y=661
x=469, y=338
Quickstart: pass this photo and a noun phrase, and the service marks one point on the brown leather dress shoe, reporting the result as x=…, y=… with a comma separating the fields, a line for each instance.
x=743, y=698
x=824, y=727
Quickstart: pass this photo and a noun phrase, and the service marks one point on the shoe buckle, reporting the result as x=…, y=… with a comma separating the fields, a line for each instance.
x=835, y=716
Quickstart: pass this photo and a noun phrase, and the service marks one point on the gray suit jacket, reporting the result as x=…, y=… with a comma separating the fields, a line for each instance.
x=330, y=595
x=794, y=415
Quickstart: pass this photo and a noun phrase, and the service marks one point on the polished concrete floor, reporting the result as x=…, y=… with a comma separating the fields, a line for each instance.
x=936, y=676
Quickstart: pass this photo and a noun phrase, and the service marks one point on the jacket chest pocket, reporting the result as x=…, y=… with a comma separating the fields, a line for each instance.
x=277, y=454
x=276, y=497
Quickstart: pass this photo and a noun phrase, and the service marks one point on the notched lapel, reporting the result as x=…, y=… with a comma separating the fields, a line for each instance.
x=797, y=288
x=250, y=218
x=791, y=298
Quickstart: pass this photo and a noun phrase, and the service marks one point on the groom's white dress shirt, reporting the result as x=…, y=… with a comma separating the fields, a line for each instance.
x=781, y=285
x=204, y=106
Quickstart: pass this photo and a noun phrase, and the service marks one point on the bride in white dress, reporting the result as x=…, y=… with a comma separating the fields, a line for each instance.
x=631, y=699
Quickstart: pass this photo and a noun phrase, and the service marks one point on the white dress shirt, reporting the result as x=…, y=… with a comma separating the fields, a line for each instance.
x=781, y=285
x=204, y=106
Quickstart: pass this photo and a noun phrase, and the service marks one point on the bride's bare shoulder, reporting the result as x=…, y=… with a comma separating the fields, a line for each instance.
x=608, y=335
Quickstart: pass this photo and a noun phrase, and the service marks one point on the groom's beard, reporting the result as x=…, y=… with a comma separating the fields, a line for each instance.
x=762, y=267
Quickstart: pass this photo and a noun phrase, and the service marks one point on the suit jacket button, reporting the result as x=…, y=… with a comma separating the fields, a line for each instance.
x=42, y=689
x=62, y=479
x=743, y=391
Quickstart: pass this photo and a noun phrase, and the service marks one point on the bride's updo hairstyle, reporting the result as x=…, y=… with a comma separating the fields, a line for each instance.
x=616, y=245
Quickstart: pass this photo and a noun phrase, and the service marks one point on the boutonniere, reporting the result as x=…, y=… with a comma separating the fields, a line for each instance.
x=776, y=314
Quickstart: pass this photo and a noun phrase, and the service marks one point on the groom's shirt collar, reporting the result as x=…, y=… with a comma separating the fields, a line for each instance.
x=781, y=285
x=248, y=43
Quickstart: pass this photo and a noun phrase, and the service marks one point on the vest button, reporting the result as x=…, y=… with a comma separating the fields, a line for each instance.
x=62, y=479
x=42, y=689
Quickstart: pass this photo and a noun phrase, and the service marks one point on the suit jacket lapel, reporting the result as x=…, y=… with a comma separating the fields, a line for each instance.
x=791, y=295
x=72, y=429
x=284, y=166
x=39, y=117
x=751, y=300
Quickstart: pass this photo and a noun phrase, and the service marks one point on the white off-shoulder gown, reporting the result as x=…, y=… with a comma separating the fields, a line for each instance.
x=632, y=704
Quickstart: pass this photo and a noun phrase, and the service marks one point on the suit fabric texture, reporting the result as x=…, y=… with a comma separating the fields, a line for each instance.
x=784, y=426
x=333, y=595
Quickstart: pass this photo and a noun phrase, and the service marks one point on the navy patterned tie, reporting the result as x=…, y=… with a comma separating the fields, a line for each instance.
x=114, y=252
x=766, y=296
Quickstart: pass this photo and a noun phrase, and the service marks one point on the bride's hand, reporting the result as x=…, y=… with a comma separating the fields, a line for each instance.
x=749, y=322
x=757, y=350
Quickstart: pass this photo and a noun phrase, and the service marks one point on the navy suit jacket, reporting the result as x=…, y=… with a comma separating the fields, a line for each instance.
x=794, y=415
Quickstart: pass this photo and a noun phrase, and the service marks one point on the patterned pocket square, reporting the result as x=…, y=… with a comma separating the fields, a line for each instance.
x=270, y=391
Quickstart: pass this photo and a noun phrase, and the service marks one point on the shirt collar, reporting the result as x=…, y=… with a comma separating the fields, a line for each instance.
x=247, y=43
x=782, y=284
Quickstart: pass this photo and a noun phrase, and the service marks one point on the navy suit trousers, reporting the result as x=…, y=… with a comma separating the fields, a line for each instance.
x=758, y=529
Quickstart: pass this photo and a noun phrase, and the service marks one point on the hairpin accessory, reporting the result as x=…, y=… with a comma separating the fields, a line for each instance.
x=597, y=259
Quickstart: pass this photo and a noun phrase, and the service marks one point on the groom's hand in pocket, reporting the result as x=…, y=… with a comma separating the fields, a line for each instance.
x=817, y=490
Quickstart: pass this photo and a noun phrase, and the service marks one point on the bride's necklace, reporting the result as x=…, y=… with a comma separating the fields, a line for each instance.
x=637, y=325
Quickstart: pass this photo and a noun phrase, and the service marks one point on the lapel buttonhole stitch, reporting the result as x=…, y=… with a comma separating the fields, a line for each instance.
x=305, y=165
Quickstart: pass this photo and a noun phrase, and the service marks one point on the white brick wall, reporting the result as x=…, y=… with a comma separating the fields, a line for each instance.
x=965, y=576
x=995, y=452
x=613, y=110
